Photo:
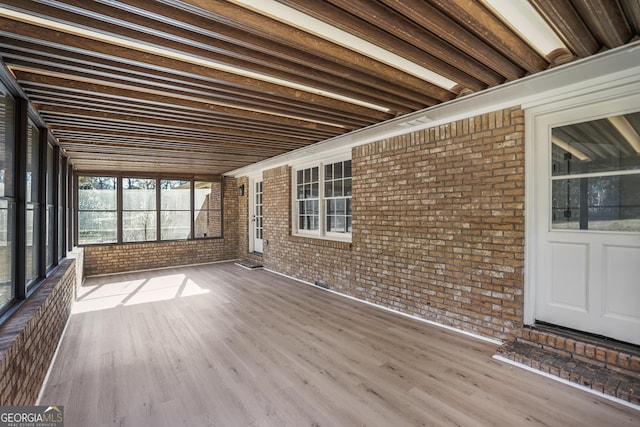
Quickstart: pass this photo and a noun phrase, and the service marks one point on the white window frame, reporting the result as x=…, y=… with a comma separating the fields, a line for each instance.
x=321, y=232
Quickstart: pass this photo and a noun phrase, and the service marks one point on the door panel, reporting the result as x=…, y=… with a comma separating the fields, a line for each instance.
x=621, y=290
x=586, y=219
x=569, y=275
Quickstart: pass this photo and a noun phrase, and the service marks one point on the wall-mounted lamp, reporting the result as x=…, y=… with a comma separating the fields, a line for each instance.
x=241, y=190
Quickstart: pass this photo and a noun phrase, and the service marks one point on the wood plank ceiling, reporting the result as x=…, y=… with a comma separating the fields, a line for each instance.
x=207, y=86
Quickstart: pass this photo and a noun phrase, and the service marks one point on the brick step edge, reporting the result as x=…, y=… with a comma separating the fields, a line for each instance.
x=598, y=378
x=619, y=357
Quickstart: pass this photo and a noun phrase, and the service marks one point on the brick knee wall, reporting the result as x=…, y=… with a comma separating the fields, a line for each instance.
x=438, y=225
x=109, y=259
x=28, y=340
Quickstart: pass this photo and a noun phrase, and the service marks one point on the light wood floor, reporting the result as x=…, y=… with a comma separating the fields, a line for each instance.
x=223, y=346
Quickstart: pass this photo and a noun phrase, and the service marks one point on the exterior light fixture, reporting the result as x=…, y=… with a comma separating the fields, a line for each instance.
x=241, y=190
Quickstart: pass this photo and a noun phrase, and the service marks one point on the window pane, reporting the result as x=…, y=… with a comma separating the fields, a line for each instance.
x=347, y=169
x=337, y=170
x=337, y=188
x=347, y=187
x=33, y=158
x=606, y=203
x=32, y=243
x=97, y=193
x=97, y=205
x=175, y=225
x=138, y=194
x=49, y=174
x=7, y=218
x=139, y=216
x=139, y=226
x=175, y=194
x=604, y=145
x=328, y=172
x=49, y=234
x=314, y=174
x=96, y=227
x=7, y=159
x=208, y=209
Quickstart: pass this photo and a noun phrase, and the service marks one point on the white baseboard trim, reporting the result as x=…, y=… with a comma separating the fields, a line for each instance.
x=411, y=316
x=567, y=382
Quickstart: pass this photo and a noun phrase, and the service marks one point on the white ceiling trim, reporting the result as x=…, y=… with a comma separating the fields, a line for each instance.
x=616, y=67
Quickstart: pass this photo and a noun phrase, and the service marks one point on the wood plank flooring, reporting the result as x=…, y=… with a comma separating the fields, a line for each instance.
x=219, y=345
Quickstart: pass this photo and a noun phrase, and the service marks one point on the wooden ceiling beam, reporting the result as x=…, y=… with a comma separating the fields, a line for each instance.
x=46, y=93
x=568, y=25
x=355, y=83
x=445, y=28
x=97, y=86
x=485, y=25
x=183, y=31
x=606, y=20
x=383, y=27
x=155, y=79
x=255, y=23
x=10, y=27
x=143, y=142
x=90, y=60
x=150, y=124
x=325, y=115
x=255, y=135
x=631, y=10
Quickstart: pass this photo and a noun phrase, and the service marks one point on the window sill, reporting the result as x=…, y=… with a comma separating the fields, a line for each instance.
x=330, y=242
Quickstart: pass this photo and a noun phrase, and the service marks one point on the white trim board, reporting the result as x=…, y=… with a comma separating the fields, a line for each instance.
x=381, y=307
x=554, y=85
x=567, y=382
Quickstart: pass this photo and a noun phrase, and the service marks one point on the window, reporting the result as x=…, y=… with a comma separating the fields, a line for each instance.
x=139, y=212
x=7, y=200
x=133, y=209
x=62, y=203
x=337, y=193
x=97, y=210
x=308, y=193
x=32, y=204
x=207, y=214
x=322, y=206
x=175, y=209
x=50, y=203
x=596, y=175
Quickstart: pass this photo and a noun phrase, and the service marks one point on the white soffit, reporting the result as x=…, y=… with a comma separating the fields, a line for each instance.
x=619, y=66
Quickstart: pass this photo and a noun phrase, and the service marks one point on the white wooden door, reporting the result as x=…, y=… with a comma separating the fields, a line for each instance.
x=256, y=220
x=587, y=222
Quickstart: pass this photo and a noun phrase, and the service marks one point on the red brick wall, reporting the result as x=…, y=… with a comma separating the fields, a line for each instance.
x=107, y=259
x=28, y=340
x=438, y=225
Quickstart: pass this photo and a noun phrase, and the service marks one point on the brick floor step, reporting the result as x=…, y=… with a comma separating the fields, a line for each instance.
x=602, y=352
x=580, y=371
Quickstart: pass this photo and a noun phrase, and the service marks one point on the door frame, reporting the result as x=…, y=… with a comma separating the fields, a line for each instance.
x=252, y=206
x=598, y=97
